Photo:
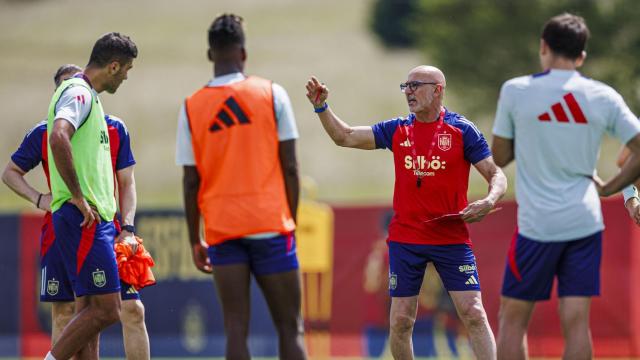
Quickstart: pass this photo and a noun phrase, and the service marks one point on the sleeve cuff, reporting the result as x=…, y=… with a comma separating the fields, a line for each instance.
x=629, y=135
x=294, y=136
x=62, y=115
x=629, y=192
x=182, y=160
x=503, y=134
x=19, y=163
x=484, y=155
x=125, y=165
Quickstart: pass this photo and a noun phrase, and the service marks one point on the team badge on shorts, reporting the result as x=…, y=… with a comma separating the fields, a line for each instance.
x=444, y=142
x=52, y=287
x=393, y=281
x=99, y=278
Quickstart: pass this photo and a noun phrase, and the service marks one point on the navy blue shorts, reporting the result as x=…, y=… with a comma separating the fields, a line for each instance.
x=87, y=253
x=128, y=292
x=264, y=256
x=455, y=264
x=532, y=266
x=55, y=285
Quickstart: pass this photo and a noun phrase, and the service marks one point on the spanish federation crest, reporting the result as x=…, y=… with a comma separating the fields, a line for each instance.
x=99, y=278
x=52, y=287
x=393, y=281
x=444, y=142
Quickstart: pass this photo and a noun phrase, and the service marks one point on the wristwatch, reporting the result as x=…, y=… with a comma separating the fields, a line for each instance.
x=129, y=228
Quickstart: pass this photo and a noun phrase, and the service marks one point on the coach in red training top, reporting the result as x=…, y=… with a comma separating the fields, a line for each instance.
x=433, y=149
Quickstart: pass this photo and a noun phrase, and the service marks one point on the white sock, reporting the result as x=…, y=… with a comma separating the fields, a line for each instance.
x=49, y=356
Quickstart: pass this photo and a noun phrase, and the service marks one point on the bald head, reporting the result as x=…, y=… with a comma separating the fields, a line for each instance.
x=424, y=91
x=427, y=73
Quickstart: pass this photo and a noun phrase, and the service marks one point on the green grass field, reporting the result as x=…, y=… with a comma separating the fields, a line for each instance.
x=288, y=41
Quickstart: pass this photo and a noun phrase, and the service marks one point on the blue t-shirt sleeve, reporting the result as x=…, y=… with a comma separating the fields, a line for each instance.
x=29, y=154
x=476, y=148
x=124, y=158
x=383, y=133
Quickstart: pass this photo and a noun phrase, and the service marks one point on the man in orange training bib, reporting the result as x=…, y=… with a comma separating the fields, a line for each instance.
x=236, y=143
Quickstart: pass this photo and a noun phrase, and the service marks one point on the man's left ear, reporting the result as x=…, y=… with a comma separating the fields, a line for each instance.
x=580, y=60
x=114, y=67
x=244, y=54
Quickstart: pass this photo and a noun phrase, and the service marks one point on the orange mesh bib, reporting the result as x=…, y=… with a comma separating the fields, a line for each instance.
x=235, y=144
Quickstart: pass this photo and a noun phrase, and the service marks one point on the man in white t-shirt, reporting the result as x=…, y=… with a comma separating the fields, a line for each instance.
x=552, y=123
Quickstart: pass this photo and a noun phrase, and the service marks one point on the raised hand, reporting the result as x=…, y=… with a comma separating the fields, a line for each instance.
x=317, y=92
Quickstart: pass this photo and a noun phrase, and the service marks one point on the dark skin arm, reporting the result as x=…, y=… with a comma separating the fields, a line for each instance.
x=190, y=188
x=289, y=164
x=502, y=150
x=629, y=172
x=60, y=142
x=632, y=205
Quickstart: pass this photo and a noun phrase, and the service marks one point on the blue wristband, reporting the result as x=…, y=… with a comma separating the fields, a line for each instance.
x=321, y=109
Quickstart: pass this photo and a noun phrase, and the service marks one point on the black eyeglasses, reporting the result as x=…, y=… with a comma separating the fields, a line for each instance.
x=414, y=85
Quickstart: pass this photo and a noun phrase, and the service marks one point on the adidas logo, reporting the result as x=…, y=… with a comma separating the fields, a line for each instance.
x=406, y=143
x=226, y=119
x=472, y=281
x=561, y=116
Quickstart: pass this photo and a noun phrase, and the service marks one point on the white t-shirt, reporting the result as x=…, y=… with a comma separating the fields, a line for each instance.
x=557, y=120
x=287, y=129
x=74, y=105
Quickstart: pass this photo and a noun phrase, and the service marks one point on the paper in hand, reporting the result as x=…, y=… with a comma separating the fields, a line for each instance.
x=456, y=216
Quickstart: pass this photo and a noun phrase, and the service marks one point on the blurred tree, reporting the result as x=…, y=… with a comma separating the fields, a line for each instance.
x=387, y=20
x=480, y=44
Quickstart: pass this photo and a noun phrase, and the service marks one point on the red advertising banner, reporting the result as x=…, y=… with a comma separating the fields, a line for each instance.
x=345, y=288
x=615, y=315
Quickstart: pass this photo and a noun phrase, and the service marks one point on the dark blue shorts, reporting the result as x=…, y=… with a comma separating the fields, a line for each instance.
x=455, y=264
x=87, y=253
x=128, y=292
x=532, y=266
x=264, y=256
x=55, y=285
